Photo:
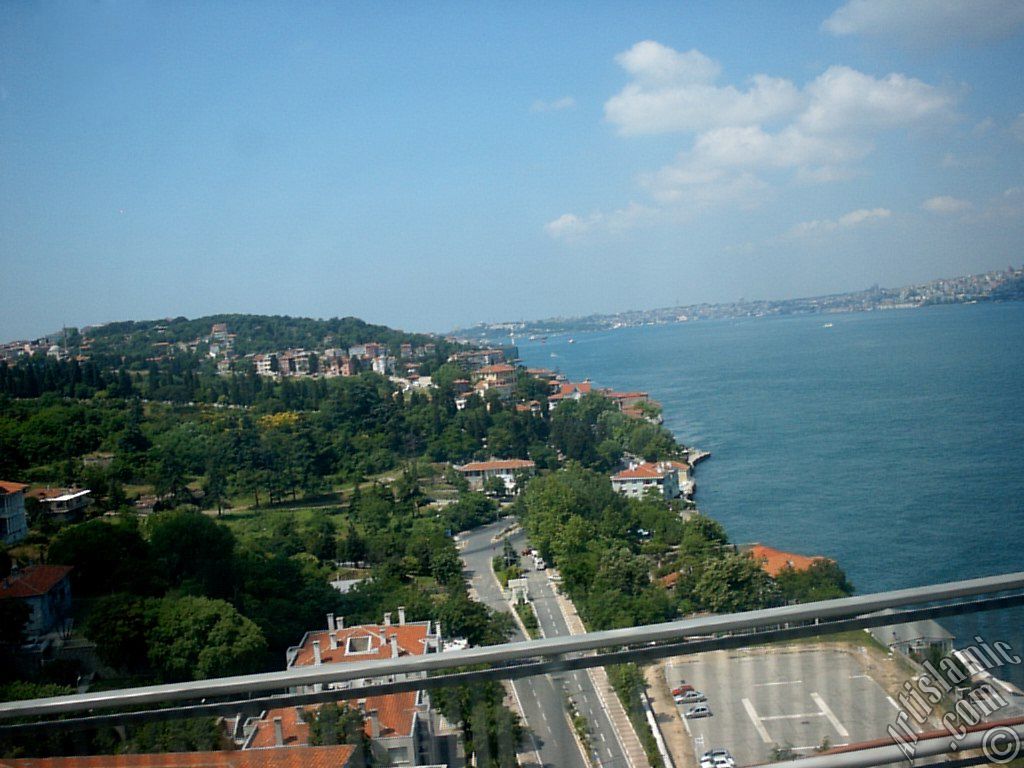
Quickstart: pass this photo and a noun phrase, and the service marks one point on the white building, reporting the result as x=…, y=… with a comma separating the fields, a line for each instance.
x=637, y=479
x=13, y=520
x=507, y=470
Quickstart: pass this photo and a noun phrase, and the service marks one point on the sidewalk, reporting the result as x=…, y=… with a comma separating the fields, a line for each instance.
x=631, y=745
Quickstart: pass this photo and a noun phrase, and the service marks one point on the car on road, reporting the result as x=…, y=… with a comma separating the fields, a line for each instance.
x=681, y=689
x=701, y=710
x=690, y=697
x=717, y=758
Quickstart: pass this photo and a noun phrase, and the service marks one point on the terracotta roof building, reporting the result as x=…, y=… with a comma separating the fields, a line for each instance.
x=507, y=470
x=775, y=560
x=637, y=479
x=298, y=757
x=46, y=590
x=13, y=520
x=403, y=727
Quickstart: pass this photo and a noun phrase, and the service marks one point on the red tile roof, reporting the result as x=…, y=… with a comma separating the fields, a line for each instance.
x=645, y=471
x=7, y=487
x=395, y=715
x=775, y=560
x=412, y=639
x=33, y=580
x=294, y=757
x=498, y=368
x=294, y=730
x=480, y=466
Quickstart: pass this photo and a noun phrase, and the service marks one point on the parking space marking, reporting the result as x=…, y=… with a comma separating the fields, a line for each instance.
x=827, y=712
x=756, y=720
x=797, y=716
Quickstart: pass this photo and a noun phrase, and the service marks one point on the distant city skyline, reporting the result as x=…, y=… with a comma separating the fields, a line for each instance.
x=428, y=167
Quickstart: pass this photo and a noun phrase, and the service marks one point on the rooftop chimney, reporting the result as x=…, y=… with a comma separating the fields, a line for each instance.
x=374, y=724
x=330, y=622
x=316, y=653
x=394, y=646
x=401, y=615
x=387, y=619
x=334, y=641
x=278, y=732
x=339, y=622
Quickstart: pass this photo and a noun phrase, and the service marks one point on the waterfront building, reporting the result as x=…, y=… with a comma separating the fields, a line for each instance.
x=637, y=479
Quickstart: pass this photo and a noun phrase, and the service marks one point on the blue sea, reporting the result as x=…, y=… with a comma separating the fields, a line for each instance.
x=890, y=441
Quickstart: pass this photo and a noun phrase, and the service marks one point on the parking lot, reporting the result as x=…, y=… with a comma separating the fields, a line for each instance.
x=785, y=697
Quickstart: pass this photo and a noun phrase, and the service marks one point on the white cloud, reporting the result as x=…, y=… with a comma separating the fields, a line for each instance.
x=930, y=21
x=846, y=221
x=843, y=100
x=652, y=62
x=945, y=204
x=556, y=105
x=748, y=141
x=569, y=226
x=674, y=91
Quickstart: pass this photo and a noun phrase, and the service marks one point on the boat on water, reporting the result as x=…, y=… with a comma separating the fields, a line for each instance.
x=572, y=341
x=827, y=325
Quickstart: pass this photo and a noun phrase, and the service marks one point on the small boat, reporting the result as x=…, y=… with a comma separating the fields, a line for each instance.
x=572, y=341
x=827, y=325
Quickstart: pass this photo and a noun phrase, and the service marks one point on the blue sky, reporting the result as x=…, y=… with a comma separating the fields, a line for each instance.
x=433, y=165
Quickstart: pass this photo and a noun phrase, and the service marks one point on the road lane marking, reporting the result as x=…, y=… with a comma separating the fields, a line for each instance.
x=784, y=682
x=793, y=717
x=827, y=712
x=756, y=720
x=893, y=702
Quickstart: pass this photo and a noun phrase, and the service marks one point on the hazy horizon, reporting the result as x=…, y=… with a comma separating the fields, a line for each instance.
x=434, y=167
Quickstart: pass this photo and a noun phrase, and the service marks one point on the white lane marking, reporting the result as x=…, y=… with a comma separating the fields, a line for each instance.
x=797, y=716
x=533, y=737
x=756, y=720
x=860, y=677
x=827, y=712
x=893, y=702
x=784, y=682
x=601, y=734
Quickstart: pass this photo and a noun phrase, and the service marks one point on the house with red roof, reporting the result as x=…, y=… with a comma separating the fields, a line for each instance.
x=13, y=520
x=773, y=561
x=46, y=590
x=403, y=728
x=639, y=478
x=507, y=470
x=339, y=756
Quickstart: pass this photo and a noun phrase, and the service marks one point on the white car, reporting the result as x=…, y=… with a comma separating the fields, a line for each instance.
x=690, y=697
x=717, y=758
x=701, y=710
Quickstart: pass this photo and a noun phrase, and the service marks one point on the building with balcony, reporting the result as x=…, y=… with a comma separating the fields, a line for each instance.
x=13, y=520
x=637, y=479
x=507, y=470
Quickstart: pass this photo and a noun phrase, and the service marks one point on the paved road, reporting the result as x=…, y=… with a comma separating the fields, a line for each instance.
x=543, y=697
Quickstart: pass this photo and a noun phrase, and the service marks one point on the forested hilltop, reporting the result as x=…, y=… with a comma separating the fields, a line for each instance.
x=136, y=341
